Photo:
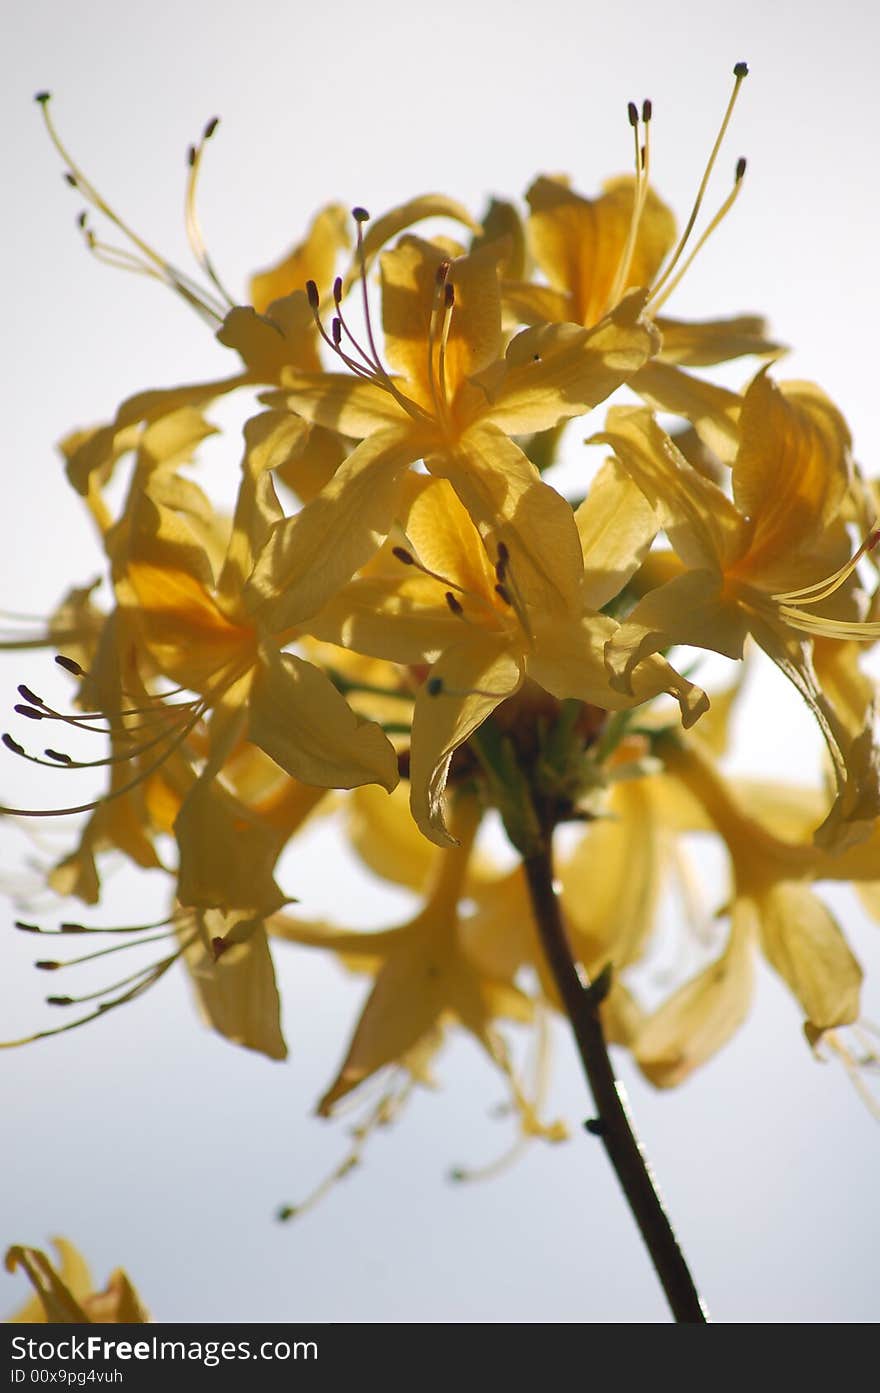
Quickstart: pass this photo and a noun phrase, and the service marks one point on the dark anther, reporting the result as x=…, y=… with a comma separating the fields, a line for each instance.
x=312, y=293
x=503, y=553
x=337, y=289
x=42, y=97
x=211, y=127
x=403, y=555
x=28, y=711
x=647, y=110
x=504, y=593
x=449, y=295
x=218, y=947
x=28, y=928
x=69, y=178
x=59, y=1000
x=69, y=664
x=48, y=965
x=595, y=1126
x=360, y=215
x=434, y=686
x=741, y=70
x=632, y=112
x=29, y=695
x=11, y=744
x=59, y=756
x=453, y=603
x=69, y=928
x=190, y=155
x=740, y=168
x=336, y=331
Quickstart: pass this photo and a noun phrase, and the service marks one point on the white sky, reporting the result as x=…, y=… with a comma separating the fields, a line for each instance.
x=151, y=1143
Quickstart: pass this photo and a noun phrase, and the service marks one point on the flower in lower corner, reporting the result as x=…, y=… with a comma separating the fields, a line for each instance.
x=65, y=1292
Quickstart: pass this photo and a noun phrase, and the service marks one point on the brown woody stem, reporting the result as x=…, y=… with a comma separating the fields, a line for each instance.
x=613, y=1125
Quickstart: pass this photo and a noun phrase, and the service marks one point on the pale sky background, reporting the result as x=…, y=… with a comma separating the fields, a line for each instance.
x=150, y=1142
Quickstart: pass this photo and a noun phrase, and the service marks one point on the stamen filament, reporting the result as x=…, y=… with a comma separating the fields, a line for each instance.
x=740, y=72
x=703, y=239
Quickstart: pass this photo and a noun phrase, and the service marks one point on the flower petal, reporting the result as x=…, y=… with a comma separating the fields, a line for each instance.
x=312, y=259
x=697, y=1020
x=617, y=525
x=299, y=719
x=310, y=556
x=713, y=411
x=803, y=942
x=702, y=524
x=556, y=371
x=700, y=343
x=237, y=990
x=474, y=677
x=579, y=242
x=508, y=501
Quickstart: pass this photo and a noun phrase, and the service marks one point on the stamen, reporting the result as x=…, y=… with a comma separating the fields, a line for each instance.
x=640, y=193
x=740, y=72
x=406, y=558
x=337, y=300
x=437, y=310
x=193, y=226
x=508, y=591
x=793, y=604
x=152, y=264
x=70, y=665
x=454, y=605
x=448, y=306
x=820, y=590
x=719, y=217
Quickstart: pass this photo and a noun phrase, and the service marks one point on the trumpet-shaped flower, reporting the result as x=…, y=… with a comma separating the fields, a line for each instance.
x=762, y=564
x=455, y=404
x=771, y=907
x=488, y=622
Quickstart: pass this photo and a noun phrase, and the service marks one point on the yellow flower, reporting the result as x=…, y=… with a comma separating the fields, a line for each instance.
x=761, y=564
x=593, y=251
x=424, y=977
x=455, y=405
x=771, y=906
x=195, y=630
x=68, y=1296
x=488, y=622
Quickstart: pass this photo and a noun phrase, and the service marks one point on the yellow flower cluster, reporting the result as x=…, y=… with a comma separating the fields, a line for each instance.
x=401, y=605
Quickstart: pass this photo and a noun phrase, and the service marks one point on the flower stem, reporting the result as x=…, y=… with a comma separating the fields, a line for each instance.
x=613, y=1125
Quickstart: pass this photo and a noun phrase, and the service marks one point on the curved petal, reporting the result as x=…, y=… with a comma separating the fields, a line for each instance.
x=580, y=243
x=314, y=258
x=510, y=504
x=339, y=401
x=702, y=524
x=713, y=411
x=688, y=609
x=299, y=719
x=237, y=990
x=617, y=525
x=803, y=942
x=793, y=469
x=697, y=1020
x=556, y=371
x=310, y=556
x=700, y=343
x=463, y=689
